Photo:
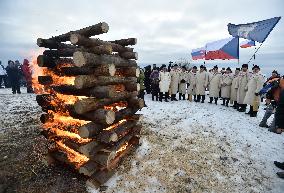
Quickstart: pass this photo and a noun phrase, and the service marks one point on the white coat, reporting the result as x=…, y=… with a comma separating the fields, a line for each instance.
x=192, y=83
x=242, y=86
x=165, y=81
x=214, y=84
x=2, y=71
x=201, y=82
x=255, y=84
x=226, y=82
x=182, y=86
x=175, y=74
x=234, y=89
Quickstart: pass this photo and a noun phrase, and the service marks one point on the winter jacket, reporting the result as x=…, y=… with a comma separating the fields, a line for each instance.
x=215, y=84
x=175, y=74
x=254, y=85
x=183, y=80
x=27, y=71
x=140, y=80
x=14, y=73
x=201, y=82
x=2, y=70
x=192, y=83
x=242, y=86
x=226, y=82
x=165, y=81
x=234, y=89
x=155, y=82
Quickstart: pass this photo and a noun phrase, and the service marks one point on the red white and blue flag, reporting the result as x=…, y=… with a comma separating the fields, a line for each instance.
x=223, y=49
x=247, y=44
x=198, y=53
x=256, y=31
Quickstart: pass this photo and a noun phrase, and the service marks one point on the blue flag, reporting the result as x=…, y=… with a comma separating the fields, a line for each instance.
x=256, y=31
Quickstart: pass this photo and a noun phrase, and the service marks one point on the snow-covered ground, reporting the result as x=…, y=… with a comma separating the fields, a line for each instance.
x=185, y=147
x=194, y=147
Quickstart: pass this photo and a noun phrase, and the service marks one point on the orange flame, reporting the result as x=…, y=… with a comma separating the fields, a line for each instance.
x=73, y=156
x=115, y=125
x=116, y=106
x=122, y=148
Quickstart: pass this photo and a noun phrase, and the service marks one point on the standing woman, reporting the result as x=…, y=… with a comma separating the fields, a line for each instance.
x=191, y=90
x=14, y=75
x=183, y=79
x=155, y=84
x=234, y=88
x=28, y=75
x=214, y=85
x=226, y=82
x=164, y=84
x=140, y=80
x=201, y=84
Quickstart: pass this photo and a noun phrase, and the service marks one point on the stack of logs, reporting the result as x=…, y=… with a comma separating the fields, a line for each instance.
x=102, y=78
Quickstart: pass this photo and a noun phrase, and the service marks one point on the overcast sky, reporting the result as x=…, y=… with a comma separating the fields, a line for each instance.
x=165, y=29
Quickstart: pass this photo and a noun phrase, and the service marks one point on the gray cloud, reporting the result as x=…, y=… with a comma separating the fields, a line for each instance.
x=166, y=30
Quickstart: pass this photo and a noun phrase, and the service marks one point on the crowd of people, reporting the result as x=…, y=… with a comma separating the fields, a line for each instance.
x=16, y=75
x=242, y=88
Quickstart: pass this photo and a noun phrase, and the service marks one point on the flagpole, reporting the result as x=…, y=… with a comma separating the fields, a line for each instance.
x=254, y=53
x=239, y=51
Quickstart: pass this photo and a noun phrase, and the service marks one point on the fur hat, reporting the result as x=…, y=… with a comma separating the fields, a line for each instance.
x=245, y=66
x=255, y=67
x=215, y=67
x=202, y=66
x=274, y=71
x=194, y=67
x=238, y=69
x=229, y=69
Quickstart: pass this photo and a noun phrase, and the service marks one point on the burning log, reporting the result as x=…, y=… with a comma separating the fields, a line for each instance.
x=89, y=59
x=90, y=130
x=93, y=30
x=125, y=42
x=80, y=40
x=45, y=118
x=125, y=113
x=89, y=168
x=102, y=116
x=99, y=177
x=45, y=80
x=135, y=103
x=115, y=134
x=86, y=81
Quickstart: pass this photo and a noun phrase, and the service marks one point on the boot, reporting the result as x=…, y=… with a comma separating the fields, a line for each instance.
x=166, y=97
x=157, y=98
x=216, y=100
x=280, y=174
x=211, y=100
x=194, y=97
x=152, y=97
x=198, y=98
x=183, y=96
x=223, y=102
x=179, y=96
x=227, y=102
x=161, y=96
x=174, y=97
x=203, y=98
x=279, y=165
x=242, y=108
x=253, y=114
x=250, y=110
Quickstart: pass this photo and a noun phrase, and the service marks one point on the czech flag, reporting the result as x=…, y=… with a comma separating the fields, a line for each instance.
x=223, y=49
x=198, y=53
x=256, y=31
x=247, y=44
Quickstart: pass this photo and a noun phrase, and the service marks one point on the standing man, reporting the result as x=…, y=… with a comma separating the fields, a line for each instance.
x=226, y=82
x=155, y=84
x=175, y=76
x=147, y=81
x=234, y=88
x=2, y=75
x=191, y=90
x=14, y=76
x=201, y=84
x=165, y=81
x=141, y=80
x=214, y=85
x=255, y=84
x=183, y=79
x=242, y=87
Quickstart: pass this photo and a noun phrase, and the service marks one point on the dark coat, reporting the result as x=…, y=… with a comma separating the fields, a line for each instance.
x=14, y=73
x=155, y=82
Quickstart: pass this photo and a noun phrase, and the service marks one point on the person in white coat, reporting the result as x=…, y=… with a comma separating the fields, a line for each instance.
x=242, y=88
x=164, y=84
x=175, y=77
x=234, y=89
x=214, y=84
x=201, y=84
x=3, y=75
x=255, y=84
x=226, y=82
x=191, y=90
x=183, y=80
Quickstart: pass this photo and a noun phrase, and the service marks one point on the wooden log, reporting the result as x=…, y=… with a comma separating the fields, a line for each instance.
x=45, y=80
x=89, y=59
x=97, y=29
x=46, y=61
x=52, y=44
x=59, y=53
x=132, y=86
x=43, y=99
x=109, y=136
x=87, y=81
x=125, y=42
x=125, y=113
x=99, y=177
x=102, y=116
x=129, y=55
x=136, y=103
x=91, y=104
x=44, y=118
x=129, y=71
x=90, y=130
x=80, y=40
x=89, y=168
x=102, y=70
